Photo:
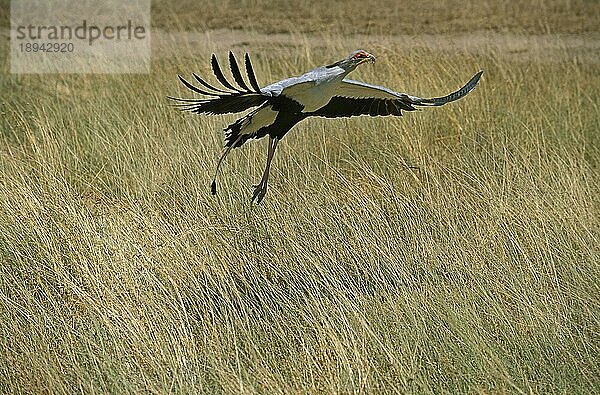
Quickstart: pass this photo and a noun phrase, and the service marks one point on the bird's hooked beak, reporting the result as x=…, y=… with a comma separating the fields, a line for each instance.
x=369, y=58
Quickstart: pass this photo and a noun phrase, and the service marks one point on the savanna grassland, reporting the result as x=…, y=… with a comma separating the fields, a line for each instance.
x=452, y=250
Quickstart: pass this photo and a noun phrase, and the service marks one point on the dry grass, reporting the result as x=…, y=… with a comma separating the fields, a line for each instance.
x=381, y=16
x=478, y=272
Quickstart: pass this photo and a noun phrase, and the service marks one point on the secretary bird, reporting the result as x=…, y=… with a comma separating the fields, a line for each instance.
x=322, y=92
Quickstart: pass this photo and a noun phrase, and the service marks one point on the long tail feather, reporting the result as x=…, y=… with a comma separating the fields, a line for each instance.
x=226, y=150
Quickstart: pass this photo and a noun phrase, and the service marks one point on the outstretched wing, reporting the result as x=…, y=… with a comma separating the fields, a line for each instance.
x=358, y=98
x=224, y=101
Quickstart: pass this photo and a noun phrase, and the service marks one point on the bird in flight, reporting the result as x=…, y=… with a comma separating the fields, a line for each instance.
x=276, y=108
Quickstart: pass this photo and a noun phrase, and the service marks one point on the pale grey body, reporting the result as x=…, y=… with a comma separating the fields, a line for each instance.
x=312, y=90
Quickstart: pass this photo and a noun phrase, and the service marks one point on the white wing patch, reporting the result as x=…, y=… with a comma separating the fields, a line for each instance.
x=312, y=95
x=262, y=117
x=309, y=94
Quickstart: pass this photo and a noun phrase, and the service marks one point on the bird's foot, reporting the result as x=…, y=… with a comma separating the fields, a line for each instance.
x=260, y=191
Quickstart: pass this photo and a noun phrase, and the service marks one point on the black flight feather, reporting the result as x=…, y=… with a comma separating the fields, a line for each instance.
x=219, y=74
x=193, y=88
x=235, y=71
x=250, y=72
x=207, y=85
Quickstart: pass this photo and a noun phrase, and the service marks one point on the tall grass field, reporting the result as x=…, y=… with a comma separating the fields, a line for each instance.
x=451, y=250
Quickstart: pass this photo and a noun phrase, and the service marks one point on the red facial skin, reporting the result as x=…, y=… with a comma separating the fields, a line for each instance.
x=361, y=55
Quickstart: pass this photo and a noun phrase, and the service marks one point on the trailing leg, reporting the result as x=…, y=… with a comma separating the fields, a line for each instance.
x=260, y=190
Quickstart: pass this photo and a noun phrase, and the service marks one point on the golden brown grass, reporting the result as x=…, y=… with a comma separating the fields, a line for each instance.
x=380, y=17
x=478, y=272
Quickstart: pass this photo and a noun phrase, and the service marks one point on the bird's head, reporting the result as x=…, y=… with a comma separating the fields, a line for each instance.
x=354, y=59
